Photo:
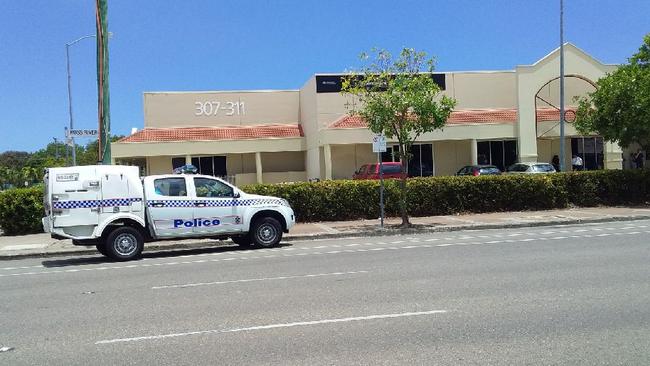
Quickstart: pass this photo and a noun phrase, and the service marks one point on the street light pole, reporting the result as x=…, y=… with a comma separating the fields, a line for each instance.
x=562, y=86
x=67, y=58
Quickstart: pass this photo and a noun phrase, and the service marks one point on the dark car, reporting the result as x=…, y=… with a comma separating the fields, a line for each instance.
x=371, y=171
x=479, y=170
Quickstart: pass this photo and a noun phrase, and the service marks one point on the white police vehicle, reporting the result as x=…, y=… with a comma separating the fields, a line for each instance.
x=111, y=207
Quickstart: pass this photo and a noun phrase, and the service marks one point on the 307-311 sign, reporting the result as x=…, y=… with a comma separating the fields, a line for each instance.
x=213, y=108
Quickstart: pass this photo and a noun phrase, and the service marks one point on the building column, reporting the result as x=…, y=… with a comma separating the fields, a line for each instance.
x=258, y=167
x=327, y=152
x=474, y=149
x=613, y=155
x=112, y=160
x=188, y=160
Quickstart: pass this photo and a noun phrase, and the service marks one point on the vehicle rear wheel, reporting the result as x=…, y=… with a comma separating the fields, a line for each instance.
x=242, y=240
x=266, y=232
x=124, y=243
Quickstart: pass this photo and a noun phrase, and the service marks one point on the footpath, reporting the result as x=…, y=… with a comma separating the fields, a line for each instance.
x=41, y=245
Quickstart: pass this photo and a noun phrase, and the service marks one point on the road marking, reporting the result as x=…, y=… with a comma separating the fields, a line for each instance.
x=284, y=252
x=256, y=280
x=272, y=326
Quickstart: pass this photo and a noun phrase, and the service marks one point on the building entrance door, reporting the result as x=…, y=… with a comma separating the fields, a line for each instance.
x=590, y=149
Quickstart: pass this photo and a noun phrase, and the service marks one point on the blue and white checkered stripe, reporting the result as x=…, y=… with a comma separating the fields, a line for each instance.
x=213, y=203
x=95, y=203
x=171, y=203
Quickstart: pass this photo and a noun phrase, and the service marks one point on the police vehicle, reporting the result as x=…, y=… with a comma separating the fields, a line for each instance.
x=112, y=208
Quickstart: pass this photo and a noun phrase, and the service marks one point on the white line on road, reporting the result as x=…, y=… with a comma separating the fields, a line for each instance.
x=272, y=326
x=256, y=280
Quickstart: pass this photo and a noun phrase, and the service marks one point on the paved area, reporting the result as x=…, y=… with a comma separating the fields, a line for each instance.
x=12, y=247
x=574, y=294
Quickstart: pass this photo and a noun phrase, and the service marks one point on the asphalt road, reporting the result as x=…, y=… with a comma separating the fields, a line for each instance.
x=572, y=295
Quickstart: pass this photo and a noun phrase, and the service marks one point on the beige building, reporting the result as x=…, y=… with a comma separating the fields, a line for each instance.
x=294, y=135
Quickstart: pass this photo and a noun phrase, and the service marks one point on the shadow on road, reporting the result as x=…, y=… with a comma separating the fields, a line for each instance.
x=148, y=254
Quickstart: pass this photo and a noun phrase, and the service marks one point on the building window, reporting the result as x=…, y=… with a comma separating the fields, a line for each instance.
x=211, y=165
x=177, y=163
x=420, y=163
x=501, y=153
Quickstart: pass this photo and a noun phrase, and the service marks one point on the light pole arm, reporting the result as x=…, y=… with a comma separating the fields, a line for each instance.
x=80, y=39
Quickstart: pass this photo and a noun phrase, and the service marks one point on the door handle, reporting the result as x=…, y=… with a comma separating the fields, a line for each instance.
x=199, y=204
x=158, y=204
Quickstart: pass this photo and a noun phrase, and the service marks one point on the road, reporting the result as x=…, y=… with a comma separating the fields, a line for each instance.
x=573, y=295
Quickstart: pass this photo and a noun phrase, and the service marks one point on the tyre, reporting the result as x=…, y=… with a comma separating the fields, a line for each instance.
x=101, y=248
x=242, y=240
x=266, y=232
x=124, y=243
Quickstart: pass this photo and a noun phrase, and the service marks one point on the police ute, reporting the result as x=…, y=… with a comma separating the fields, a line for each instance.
x=112, y=208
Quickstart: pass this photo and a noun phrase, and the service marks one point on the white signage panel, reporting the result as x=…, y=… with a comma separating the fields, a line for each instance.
x=379, y=143
x=82, y=133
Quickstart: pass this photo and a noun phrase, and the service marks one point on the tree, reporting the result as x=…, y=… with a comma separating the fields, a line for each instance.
x=398, y=97
x=619, y=109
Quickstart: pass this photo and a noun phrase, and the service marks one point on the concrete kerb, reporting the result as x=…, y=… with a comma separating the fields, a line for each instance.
x=372, y=232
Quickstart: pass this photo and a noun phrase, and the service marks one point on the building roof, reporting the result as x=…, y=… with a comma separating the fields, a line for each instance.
x=215, y=133
x=467, y=116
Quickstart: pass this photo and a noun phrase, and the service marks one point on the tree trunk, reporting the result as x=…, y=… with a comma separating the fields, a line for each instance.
x=402, y=186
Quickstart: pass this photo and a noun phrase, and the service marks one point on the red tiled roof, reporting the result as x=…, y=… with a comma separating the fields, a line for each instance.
x=467, y=116
x=215, y=133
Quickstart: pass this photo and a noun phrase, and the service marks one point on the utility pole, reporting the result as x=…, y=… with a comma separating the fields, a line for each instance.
x=562, y=85
x=103, y=103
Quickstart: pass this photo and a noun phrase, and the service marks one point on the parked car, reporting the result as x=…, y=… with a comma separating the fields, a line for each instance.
x=479, y=170
x=530, y=168
x=371, y=171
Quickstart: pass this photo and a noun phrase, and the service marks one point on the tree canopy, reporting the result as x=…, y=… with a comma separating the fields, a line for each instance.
x=619, y=109
x=399, y=98
x=18, y=167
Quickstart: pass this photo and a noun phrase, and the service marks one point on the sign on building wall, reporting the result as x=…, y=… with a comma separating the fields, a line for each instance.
x=215, y=107
x=333, y=83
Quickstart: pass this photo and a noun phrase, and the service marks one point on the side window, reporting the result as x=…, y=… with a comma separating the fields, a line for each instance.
x=206, y=187
x=172, y=187
x=391, y=169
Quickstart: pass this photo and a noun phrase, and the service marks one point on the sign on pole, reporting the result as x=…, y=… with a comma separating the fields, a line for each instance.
x=379, y=146
x=81, y=133
x=379, y=143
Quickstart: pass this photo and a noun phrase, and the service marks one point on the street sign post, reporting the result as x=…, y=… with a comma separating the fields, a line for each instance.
x=379, y=146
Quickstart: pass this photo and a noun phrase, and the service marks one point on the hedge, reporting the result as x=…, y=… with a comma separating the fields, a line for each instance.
x=349, y=200
x=21, y=209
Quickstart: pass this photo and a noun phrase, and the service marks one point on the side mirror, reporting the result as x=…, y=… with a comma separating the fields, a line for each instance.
x=236, y=194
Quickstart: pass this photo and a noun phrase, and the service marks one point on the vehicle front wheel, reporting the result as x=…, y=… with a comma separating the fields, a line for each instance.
x=242, y=240
x=101, y=248
x=266, y=232
x=124, y=243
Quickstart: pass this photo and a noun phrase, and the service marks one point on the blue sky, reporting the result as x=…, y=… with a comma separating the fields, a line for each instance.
x=177, y=45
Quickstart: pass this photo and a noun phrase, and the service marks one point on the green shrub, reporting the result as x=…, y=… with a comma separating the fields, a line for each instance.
x=21, y=210
x=349, y=200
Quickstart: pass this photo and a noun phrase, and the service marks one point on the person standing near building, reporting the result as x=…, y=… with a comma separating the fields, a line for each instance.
x=556, y=163
x=576, y=162
x=638, y=159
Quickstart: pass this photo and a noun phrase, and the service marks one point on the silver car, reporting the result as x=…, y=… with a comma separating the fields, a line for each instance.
x=530, y=168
